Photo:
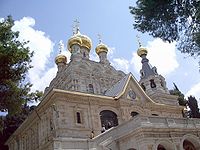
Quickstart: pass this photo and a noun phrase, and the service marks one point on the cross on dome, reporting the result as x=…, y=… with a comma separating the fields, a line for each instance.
x=76, y=27
x=99, y=37
x=60, y=46
x=138, y=39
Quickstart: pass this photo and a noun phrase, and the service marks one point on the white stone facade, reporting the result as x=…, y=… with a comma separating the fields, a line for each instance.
x=87, y=97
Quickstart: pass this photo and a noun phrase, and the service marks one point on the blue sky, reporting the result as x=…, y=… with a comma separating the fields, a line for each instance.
x=44, y=23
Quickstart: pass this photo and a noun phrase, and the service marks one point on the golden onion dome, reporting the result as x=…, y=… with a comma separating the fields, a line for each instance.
x=86, y=42
x=101, y=48
x=61, y=59
x=142, y=51
x=80, y=39
x=75, y=39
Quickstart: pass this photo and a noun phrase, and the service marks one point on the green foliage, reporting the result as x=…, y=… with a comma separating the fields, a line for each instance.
x=15, y=58
x=194, y=110
x=11, y=123
x=181, y=100
x=170, y=20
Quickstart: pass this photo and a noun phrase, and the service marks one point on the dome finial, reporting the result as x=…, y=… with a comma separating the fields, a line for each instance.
x=78, y=38
x=101, y=47
x=76, y=27
x=138, y=39
x=99, y=37
x=60, y=46
x=141, y=50
x=61, y=58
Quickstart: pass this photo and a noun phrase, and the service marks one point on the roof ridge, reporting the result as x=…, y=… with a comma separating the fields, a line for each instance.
x=118, y=87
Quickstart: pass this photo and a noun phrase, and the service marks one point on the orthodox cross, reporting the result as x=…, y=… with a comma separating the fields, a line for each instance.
x=99, y=37
x=138, y=39
x=60, y=46
x=76, y=27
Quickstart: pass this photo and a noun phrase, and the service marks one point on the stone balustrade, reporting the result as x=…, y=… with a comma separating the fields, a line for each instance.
x=143, y=122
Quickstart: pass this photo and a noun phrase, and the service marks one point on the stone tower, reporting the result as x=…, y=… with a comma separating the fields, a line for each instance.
x=153, y=83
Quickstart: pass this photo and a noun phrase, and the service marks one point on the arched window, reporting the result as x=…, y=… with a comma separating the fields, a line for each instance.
x=142, y=73
x=161, y=147
x=187, y=145
x=78, y=117
x=152, y=83
x=155, y=70
x=108, y=119
x=161, y=83
x=133, y=113
x=90, y=88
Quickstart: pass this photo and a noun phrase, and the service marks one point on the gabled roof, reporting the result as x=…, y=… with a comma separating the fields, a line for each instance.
x=117, y=88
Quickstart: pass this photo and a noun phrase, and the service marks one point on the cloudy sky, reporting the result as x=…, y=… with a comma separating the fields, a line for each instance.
x=44, y=23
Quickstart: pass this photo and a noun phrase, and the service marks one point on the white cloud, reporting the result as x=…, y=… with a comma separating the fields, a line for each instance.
x=160, y=54
x=118, y=63
x=195, y=91
x=1, y=20
x=95, y=57
x=111, y=51
x=46, y=78
x=121, y=64
x=42, y=46
x=136, y=61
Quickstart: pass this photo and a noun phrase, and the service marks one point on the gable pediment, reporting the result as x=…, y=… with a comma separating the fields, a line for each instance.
x=129, y=88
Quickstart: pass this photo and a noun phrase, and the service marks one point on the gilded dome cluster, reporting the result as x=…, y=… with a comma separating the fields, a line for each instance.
x=81, y=40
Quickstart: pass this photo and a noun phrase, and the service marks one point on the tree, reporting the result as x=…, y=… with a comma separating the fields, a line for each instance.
x=15, y=58
x=181, y=100
x=11, y=123
x=194, y=110
x=170, y=20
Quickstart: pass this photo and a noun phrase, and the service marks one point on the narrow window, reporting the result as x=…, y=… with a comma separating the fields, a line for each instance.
x=152, y=83
x=155, y=70
x=162, y=83
x=78, y=117
x=84, y=55
x=91, y=89
x=142, y=73
x=143, y=87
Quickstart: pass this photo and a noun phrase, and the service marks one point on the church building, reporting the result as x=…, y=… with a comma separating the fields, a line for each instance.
x=92, y=106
